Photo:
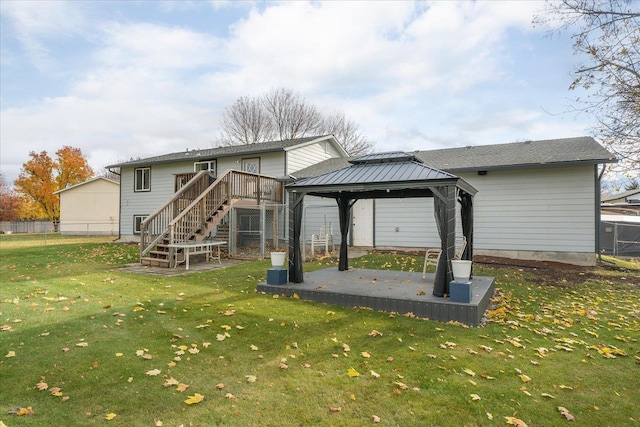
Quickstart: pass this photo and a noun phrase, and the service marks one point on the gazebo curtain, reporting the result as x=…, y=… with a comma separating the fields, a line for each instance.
x=344, y=208
x=295, y=227
x=466, y=216
x=444, y=212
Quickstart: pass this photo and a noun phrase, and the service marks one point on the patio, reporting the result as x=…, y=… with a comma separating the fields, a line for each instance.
x=392, y=291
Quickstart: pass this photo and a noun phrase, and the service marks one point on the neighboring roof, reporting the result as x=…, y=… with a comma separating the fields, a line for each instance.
x=386, y=172
x=87, y=182
x=233, y=150
x=581, y=150
x=624, y=195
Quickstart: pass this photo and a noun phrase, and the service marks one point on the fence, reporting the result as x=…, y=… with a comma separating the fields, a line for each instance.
x=254, y=231
x=620, y=238
x=42, y=226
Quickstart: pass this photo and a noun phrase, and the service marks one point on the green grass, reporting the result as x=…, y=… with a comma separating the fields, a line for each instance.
x=54, y=297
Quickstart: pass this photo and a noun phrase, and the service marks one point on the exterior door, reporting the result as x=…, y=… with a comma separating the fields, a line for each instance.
x=362, y=213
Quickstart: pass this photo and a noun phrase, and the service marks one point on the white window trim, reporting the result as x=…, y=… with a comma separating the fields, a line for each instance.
x=135, y=179
x=136, y=224
x=212, y=166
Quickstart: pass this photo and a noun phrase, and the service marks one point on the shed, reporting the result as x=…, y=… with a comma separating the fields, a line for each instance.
x=386, y=175
x=91, y=207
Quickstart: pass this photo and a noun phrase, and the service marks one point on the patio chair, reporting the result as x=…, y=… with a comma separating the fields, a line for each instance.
x=322, y=239
x=432, y=256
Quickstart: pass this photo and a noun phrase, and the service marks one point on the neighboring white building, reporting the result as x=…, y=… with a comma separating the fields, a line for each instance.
x=91, y=207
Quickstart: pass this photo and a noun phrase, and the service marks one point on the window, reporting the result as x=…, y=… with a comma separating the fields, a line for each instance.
x=142, y=179
x=205, y=166
x=251, y=165
x=137, y=221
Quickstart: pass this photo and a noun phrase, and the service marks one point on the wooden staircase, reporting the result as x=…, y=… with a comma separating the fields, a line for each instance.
x=196, y=209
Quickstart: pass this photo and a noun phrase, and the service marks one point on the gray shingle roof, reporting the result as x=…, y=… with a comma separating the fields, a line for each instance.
x=518, y=155
x=212, y=153
x=497, y=156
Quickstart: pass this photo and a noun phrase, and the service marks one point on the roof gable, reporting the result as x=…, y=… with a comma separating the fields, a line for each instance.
x=87, y=182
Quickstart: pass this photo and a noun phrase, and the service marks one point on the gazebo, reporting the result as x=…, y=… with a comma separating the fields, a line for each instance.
x=386, y=175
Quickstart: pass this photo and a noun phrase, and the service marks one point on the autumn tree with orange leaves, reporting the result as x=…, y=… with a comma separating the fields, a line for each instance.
x=9, y=201
x=41, y=176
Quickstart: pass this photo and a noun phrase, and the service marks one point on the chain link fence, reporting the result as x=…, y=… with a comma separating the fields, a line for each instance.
x=620, y=238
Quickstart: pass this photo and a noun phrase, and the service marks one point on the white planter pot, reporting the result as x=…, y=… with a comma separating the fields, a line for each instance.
x=277, y=260
x=461, y=270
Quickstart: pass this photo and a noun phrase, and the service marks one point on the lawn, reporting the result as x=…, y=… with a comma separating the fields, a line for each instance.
x=82, y=343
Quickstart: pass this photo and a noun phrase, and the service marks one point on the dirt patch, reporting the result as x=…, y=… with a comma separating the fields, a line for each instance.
x=559, y=274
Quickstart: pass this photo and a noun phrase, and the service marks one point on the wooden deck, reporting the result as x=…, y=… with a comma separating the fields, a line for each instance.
x=393, y=291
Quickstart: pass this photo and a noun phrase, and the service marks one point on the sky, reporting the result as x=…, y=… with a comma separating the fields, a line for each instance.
x=135, y=79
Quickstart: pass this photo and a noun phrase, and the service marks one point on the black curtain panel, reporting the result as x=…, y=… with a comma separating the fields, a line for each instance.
x=344, y=208
x=295, y=226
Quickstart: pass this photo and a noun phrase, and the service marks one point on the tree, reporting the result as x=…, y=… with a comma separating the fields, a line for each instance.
x=9, y=201
x=41, y=176
x=283, y=114
x=607, y=33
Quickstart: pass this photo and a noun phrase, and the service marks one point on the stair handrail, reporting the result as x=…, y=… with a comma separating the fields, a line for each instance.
x=237, y=185
x=156, y=226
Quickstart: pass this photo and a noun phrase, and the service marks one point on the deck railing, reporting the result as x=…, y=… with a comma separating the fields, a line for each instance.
x=188, y=210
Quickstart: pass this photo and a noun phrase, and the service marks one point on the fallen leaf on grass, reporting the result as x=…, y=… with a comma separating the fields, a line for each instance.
x=469, y=372
x=19, y=411
x=565, y=413
x=11, y=353
x=82, y=344
x=251, y=378
x=400, y=385
x=42, y=386
x=153, y=372
x=475, y=396
x=352, y=373
x=182, y=387
x=230, y=396
x=524, y=378
x=196, y=398
x=335, y=409
x=110, y=416
x=374, y=374
x=515, y=422
x=171, y=381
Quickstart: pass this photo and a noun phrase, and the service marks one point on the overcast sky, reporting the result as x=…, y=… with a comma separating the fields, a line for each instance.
x=137, y=79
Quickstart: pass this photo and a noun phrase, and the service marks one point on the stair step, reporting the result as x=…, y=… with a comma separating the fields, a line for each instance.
x=154, y=262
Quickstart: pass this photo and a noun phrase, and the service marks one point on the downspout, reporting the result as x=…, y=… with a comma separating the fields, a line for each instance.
x=373, y=222
x=598, y=182
x=119, y=204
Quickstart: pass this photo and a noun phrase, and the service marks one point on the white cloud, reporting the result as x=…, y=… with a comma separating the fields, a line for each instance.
x=413, y=75
x=37, y=22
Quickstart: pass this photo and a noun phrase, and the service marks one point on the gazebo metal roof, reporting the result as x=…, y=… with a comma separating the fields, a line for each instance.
x=394, y=174
x=386, y=175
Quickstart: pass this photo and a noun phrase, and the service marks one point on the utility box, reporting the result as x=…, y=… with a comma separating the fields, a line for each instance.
x=276, y=276
x=460, y=292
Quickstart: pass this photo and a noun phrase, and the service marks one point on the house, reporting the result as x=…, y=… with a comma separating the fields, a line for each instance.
x=90, y=207
x=536, y=200
x=630, y=197
x=157, y=193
